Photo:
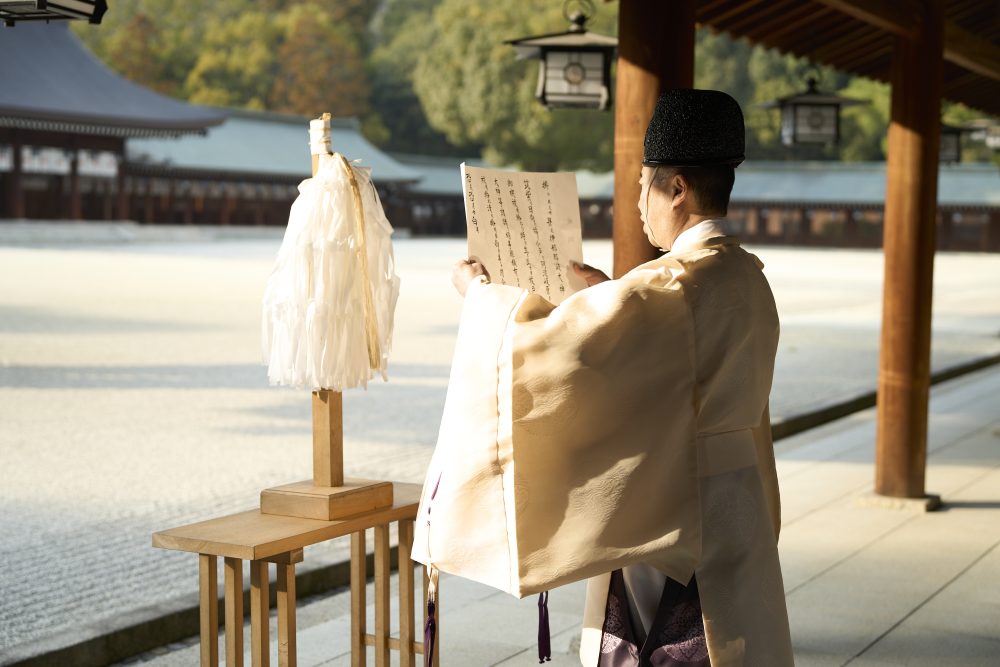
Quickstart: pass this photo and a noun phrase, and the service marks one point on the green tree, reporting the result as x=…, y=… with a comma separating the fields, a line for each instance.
x=237, y=62
x=474, y=90
x=319, y=65
x=401, y=32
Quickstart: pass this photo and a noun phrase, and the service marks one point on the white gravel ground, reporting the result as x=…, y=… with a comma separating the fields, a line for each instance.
x=132, y=398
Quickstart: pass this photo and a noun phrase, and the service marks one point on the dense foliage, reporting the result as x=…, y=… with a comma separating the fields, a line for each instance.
x=435, y=77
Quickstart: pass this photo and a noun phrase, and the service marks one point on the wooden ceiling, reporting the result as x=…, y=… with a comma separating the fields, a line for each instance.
x=857, y=36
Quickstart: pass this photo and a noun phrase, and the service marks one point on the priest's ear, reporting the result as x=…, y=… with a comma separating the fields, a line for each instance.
x=678, y=187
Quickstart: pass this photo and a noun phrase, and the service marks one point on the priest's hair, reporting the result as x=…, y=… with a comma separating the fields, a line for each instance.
x=712, y=184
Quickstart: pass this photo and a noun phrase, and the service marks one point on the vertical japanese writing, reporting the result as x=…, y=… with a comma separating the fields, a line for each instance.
x=471, y=202
x=533, y=222
x=522, y=234
x=506, y=228
x=493, y=227
x=552, y=238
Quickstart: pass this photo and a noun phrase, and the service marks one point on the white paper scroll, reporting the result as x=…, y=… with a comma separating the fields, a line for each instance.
x=525, y=228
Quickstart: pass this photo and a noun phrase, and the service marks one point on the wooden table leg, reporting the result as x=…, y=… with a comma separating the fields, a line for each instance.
x=286, y=615
x=234, y=611
x=382, y=574
x=407, y=622
x=359, y=580
x=208, y=602
x=260, y=627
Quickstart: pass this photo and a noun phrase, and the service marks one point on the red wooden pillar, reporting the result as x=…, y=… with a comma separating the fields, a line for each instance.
x=655, y=53
x=909, y=231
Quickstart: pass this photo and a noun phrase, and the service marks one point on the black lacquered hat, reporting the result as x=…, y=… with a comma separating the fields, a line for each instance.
x=693, y=128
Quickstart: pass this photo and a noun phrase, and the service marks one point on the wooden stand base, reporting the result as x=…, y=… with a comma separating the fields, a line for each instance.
x=326, y=503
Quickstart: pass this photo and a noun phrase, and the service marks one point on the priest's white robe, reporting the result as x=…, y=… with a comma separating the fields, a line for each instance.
x=626, y=426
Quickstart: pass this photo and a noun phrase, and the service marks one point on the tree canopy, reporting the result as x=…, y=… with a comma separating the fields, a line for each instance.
x=435, y=77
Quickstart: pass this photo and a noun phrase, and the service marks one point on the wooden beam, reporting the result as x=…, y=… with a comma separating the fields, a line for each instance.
x=655, y=52
x=961, y=47
x=909, y=242
x=899, y=18
x=971, y=52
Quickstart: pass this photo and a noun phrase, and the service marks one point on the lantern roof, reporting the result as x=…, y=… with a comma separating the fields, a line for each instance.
x=813, y=96
x=13, y=11
x=576, y=38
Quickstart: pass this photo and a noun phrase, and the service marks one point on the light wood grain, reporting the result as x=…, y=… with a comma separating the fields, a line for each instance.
x=407, y=590
x=382, y=574
x=254, y=536
x=286, y=615
x=208, y=603
x=326, y=503
x=260, y=626
x=328, y=438
x=233, y=568
x=359, y=580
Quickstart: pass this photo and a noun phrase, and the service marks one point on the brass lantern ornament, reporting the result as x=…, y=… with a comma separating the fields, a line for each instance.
x=574, y=69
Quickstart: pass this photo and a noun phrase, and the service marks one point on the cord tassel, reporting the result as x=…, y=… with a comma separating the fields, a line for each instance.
x=544, y=634
x=430, y=633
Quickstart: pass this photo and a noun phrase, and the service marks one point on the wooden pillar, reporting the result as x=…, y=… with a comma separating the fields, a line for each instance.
x=909, y=230
x=16, y=174
x=655, y=53
x=123, y=212
x=106, y=207
x=75, y=204
x=148, y=202
x=850, y=234
x=804, y=231
x=992, y=241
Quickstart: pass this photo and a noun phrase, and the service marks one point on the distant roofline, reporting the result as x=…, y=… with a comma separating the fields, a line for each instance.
x=53, y=82
x=346, y=122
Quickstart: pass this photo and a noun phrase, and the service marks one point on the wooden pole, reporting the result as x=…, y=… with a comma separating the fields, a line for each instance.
x=328, y=421
x=655, y=53
x=909, y=230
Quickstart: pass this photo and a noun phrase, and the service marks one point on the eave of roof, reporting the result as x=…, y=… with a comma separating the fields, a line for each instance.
x=857, y=36
x=255, y=143
x=52, y=82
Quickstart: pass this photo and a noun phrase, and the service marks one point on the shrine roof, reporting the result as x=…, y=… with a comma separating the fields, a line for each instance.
x=265, y=144
x=52, y=82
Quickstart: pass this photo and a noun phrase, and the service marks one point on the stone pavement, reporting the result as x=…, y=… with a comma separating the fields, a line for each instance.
x=130, y=384
x=865, y=586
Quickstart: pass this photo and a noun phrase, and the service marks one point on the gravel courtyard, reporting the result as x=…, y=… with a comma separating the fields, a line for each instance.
x=132, y=397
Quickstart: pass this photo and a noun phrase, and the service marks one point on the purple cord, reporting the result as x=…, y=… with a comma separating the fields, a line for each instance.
x=430, y=634
x=544, y=635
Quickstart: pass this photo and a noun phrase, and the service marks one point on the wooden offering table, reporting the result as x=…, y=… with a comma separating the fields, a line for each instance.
x=269, y=538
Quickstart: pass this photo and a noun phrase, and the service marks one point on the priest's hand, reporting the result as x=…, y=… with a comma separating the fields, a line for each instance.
x=589, y=274
x=465, y=271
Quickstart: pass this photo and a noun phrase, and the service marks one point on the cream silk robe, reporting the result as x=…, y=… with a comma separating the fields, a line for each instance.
x=627, y=426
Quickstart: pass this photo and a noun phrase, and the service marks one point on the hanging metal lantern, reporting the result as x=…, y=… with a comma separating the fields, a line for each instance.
x=12, y=11
x=812, y=117
x=574, y=68
x=985, y=131
x=951, y=144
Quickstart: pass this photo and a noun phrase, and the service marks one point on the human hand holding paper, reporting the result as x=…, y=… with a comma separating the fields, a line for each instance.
x=524, y=228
